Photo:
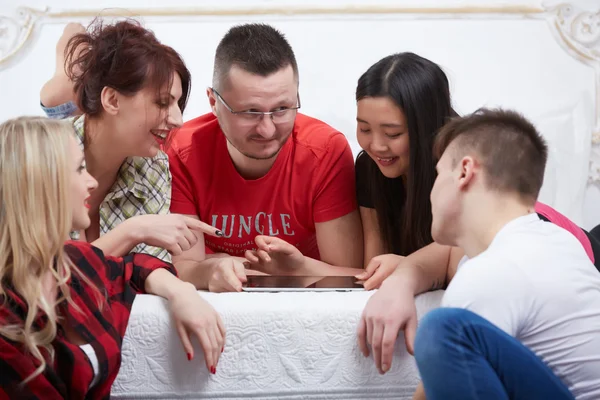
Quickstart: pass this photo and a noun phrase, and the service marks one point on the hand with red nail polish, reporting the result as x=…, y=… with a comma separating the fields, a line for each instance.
x=193, y=316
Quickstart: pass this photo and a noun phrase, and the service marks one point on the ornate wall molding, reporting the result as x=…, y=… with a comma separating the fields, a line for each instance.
x=15, y=31
x=578, y=32
x=577, y=29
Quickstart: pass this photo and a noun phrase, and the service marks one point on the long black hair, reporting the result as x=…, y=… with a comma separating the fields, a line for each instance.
x=420, y=89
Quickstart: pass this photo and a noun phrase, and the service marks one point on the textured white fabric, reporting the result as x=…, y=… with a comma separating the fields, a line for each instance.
x=91, y=354
x=278, y=346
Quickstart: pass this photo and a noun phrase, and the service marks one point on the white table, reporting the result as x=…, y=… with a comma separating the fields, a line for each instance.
x=279, y=346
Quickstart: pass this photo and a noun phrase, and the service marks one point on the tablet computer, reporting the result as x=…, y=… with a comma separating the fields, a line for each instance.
x=270, y=283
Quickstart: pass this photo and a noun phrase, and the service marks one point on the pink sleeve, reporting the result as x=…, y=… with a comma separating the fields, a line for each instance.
x=560, y=220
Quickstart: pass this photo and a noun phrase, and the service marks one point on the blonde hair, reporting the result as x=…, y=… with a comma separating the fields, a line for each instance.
x=35, y=220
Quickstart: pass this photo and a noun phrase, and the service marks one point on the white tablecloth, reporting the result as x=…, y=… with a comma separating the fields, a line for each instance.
x=278, y=346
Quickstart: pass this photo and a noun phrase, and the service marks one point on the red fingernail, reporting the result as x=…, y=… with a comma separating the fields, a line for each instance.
x=222, y=348
x=189, y=356
x=213, y=370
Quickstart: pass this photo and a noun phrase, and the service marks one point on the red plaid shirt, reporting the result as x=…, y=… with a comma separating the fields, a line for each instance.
x=120, y=279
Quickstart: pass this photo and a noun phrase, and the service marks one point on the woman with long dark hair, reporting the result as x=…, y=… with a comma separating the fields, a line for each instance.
x=402, y=101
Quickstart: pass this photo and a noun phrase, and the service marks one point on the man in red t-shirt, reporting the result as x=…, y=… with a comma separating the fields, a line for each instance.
x=254, y=166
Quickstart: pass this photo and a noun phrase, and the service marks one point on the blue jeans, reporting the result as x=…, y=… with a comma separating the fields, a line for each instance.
x=461, y=355
x=61, y=111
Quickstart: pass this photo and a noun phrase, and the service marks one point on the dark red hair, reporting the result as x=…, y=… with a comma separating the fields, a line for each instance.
x=123, y=56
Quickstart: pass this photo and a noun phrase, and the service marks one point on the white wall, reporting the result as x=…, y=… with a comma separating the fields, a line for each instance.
x=511, y=59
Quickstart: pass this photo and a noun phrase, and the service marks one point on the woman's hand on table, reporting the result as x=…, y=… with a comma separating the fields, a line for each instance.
x=193, y=316
x=379, y=269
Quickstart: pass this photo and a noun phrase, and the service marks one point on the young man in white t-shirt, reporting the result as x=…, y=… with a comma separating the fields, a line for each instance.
x=521, y=317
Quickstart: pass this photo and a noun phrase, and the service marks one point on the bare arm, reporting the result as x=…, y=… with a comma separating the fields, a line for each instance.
x=372, y=238
x=314, y=267
x=164, y=284
x=275, y=256
x=222, y=273
x=216, y=272
x=339, y=240
x=56, y=91
x=59, y=89
x=192, y=265
x=424, y=270
x=175, y=233
x=192, y=315
x=120, y=240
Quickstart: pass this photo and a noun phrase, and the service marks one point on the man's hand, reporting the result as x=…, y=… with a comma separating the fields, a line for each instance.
x=275, y=256
x=387, y=312
x=228, y=275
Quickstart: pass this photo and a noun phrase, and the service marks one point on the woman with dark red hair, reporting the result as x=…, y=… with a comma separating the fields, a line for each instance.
x=131, y=91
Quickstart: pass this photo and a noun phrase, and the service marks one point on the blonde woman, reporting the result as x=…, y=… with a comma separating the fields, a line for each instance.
x=64, y=307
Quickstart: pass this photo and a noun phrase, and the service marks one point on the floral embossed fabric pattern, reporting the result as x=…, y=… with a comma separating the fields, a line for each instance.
x=278, y=345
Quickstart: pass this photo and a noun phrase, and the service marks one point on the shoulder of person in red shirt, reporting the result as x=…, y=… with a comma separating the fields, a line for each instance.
x=317, y=146
x=310, y=133
x=317, y=136
x=334, y=182
x=193, y=133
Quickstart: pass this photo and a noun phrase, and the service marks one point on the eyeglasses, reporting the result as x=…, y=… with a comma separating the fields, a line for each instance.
x=278, y=116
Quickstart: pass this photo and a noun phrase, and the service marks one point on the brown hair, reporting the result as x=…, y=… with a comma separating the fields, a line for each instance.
x=513, y=153
x=123, y=56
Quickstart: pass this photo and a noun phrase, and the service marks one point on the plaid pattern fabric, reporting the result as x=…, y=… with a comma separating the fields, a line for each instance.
x=118, y=281
x=143, y=186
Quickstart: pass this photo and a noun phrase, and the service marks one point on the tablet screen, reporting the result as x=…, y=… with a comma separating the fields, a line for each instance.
x=299, y=283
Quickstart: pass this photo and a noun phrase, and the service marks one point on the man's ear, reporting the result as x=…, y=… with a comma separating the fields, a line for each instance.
x=109, y=98
x=467, y=171
x=212, y=100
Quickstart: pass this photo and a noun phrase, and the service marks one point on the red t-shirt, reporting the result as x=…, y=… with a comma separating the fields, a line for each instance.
x=312, y=180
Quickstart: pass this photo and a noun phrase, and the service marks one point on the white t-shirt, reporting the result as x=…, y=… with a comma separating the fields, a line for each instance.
x=536, y=283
